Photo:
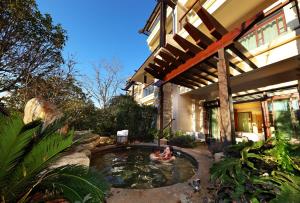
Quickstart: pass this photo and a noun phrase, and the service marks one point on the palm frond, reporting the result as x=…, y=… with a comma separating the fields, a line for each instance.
x=13, y=141
x=75, y=183
x=38, y=159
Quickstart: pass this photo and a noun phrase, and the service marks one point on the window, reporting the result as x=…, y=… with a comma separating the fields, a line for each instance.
x=265, y=32
x=148, y=90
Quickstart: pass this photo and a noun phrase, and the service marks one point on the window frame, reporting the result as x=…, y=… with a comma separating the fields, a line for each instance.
x=258, y=26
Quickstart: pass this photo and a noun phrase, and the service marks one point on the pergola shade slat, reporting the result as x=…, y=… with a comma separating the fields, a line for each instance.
x=200, y=38
x=187, y=45
x=179, y=53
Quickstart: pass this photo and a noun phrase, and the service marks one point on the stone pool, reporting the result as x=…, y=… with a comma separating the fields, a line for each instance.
x=131, y=167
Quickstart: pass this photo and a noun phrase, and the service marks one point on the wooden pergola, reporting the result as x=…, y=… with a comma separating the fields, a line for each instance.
x=209, y=60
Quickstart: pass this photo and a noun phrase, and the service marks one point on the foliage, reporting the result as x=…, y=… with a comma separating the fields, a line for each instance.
x=30, y=44
x=25, y=154
x=124, y=113
x=258, y=172
x=183, y=141
x=138, y=119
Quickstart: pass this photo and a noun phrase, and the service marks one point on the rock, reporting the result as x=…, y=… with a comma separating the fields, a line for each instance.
x=37, y=108
x=218, y=156
x=77, y=158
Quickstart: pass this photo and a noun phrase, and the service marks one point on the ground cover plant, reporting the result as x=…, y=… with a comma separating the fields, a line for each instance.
x=27, y=151
x=258, y=172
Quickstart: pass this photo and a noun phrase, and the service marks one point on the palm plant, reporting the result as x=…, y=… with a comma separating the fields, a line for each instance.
x=25, y=154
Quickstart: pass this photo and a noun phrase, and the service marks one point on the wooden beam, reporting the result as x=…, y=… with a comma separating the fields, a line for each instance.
x=235, y=67
x=200, y=38
x=167, y=66
x=207, y=72
x=157, y=68
x=195, y=78
x=188, y=46
x=184, y=79
x=178, y=82
x=225, y=41
x=177, y=52
x=160, y=62
x=153, y=73
x=215, y=28
x=169, y=57
x=218, y=30
x=212, y=49
x=198, y=74
x=242, y=56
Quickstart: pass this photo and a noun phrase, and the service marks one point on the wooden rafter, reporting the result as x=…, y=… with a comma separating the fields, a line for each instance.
x=200, y=38
x=225, y=41
x=203, y=41
x=177, y=52
x=160, y=62
x=195, y=78
x=157, y=68
x=167, y=56
x=198, y=74
x=190, y=81
x=215, y=28
x=182, y=83
x=207, y=72
x=153, y=73
x=237, y=52
x=188, y=46
x=218, y=30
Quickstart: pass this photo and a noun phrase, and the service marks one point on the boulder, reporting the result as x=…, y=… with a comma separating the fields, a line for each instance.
x=37, y=108
x=218, y=156
x=77, y=158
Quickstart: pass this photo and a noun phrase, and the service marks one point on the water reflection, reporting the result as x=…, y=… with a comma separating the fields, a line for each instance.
x=133, y=169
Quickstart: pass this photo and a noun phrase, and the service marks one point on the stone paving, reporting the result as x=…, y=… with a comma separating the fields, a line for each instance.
x=181, y=192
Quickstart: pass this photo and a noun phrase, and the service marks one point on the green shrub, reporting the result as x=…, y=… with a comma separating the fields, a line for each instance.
x=183, y=141
x=258, y=172
x=124, y=113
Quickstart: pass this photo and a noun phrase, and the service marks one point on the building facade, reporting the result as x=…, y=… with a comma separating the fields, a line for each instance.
x=252, y=95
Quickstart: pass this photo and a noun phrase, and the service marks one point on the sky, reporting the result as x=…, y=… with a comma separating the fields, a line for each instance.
x=100, y=30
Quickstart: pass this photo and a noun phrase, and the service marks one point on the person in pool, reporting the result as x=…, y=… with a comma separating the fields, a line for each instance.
x=167, y=153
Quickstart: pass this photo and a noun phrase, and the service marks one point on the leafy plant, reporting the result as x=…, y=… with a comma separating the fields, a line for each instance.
x=183, y=141
x=25, y=154
x=258, y=172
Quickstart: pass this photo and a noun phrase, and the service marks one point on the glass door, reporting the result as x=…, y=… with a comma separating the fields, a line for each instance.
x=214, y=128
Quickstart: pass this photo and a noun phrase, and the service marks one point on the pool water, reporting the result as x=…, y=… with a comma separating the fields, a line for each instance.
x=132, y=168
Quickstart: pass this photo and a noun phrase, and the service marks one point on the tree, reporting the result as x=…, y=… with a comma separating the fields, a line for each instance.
x=105, y=83
x=30, y=44
x=62, y=83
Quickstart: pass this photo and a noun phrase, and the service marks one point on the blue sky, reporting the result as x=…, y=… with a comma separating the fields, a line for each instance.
x=102, y=30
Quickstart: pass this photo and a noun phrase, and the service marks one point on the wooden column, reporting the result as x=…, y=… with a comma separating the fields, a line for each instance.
x=163, y=17
x=161, y=114
x=226, y=106
x=162, y=43
x=265, y=115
